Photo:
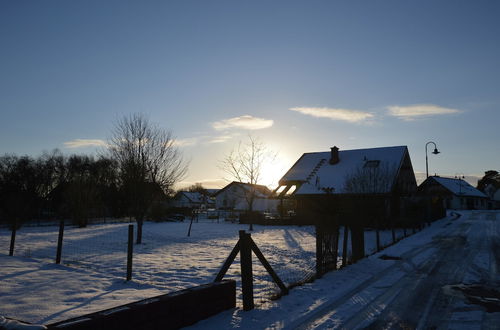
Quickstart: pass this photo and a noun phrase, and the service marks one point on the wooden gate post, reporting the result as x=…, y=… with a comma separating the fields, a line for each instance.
x=246, y=270
x=60, y=242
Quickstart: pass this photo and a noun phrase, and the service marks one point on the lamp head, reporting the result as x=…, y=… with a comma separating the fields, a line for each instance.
x=436, y=151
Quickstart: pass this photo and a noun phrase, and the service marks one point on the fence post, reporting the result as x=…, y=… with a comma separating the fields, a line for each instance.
x=377, y=232
x=60, y=242
x=12, y=240
x=130, y=251
x=344, y=245
x=246, y=271
x=319, y=251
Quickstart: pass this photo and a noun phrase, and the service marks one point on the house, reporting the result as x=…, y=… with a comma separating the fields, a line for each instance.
x=350, y=181
x=192, y=200
x=455, y=193
x=241, y=196
x=355, y=188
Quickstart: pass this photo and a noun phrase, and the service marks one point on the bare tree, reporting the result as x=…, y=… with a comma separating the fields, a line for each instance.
x=372, y=178
x=367, y=183
x=245, y=164
x=149, y=163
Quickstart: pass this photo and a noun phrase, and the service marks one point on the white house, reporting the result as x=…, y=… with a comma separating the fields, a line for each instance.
x=241, y=196
x=193, y=200
x=456, y=193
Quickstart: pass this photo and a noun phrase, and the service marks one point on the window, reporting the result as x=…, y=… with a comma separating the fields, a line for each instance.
x=371, y=163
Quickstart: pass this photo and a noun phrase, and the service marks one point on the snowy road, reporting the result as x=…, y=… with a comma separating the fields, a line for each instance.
x=422, y=294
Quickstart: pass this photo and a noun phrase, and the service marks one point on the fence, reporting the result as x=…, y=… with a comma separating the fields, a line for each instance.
x=171, y=260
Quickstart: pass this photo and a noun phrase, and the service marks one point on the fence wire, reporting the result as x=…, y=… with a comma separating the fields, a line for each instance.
x=170, y=259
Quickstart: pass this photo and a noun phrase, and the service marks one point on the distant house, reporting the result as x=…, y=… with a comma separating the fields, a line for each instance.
x=455, y=194
x=241, y=196
x=212, y=192
x=192, y=200
x=350, y=181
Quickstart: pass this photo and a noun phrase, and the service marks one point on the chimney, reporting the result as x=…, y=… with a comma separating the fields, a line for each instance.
x=334, y=158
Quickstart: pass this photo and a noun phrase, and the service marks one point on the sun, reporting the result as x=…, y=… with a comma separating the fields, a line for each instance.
x=272, y=171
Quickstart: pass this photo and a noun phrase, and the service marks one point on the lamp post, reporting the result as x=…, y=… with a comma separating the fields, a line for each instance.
x=435, y=152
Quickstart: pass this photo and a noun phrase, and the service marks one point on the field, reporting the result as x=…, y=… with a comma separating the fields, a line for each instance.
x=93, y=266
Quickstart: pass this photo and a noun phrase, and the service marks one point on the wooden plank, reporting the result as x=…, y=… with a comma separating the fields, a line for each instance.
x=228, y=262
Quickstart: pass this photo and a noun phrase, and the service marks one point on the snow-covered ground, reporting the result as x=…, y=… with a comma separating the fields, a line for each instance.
x=92, y=274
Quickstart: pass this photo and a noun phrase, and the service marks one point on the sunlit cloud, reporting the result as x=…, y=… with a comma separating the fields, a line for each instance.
x=412, y=112
x=206, y=183
x=185, y=142
x=84, y=143
x=352, y=116
x=219, y=139
x=243, y=122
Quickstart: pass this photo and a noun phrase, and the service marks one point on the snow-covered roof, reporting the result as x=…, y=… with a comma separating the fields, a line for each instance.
x=193, y=197
x=212, y=192
x=458, y=187
x=315, y=175
x=261, y=190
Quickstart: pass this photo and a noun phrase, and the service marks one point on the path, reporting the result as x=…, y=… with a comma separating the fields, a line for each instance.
x=428, y=293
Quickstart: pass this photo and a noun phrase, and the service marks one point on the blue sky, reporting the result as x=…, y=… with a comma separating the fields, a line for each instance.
x=301, y=76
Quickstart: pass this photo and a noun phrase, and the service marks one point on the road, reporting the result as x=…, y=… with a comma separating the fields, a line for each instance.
x=449, y=283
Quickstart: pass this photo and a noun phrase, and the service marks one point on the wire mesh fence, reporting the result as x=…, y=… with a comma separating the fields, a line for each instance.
x=171, y=260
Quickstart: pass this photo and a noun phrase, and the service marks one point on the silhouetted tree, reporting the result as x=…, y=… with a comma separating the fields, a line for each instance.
x=245, y=163
x=19, y=189
x=148, y=159
x=489, y=183
x=197, y=187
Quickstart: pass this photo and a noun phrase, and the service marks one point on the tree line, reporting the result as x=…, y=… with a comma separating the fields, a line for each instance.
x=131, y=177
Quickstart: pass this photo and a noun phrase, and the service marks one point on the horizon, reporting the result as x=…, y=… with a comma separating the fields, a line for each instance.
x=301, y=77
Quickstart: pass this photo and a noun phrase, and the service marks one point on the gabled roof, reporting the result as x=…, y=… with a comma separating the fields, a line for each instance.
x=193, y=197
x=457, y=187
x=315, y=175
x=261, y=190
x=212, y=192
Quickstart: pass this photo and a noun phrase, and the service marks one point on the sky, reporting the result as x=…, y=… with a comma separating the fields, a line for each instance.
x=300, y=76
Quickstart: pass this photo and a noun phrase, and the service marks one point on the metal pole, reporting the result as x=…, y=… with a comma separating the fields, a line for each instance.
x=130, y=251
x=426, y=163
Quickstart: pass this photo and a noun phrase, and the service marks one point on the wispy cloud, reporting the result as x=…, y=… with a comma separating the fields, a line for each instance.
x=219, y=139
x=352, y=116
x=185, y=142
x=206, y=183
x=411, y=112
x=84, y=143
x=243, y=122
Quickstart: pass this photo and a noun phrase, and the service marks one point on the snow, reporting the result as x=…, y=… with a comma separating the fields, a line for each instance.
x=91, y=278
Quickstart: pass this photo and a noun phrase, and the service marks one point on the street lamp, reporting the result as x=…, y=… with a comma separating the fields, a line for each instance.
x=435, y=152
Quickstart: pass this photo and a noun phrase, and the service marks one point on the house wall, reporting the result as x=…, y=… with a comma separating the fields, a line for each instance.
x=466, y=203
x=234, y=198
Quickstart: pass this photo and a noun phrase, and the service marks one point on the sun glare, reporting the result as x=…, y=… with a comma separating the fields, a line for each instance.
x=272, y=171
